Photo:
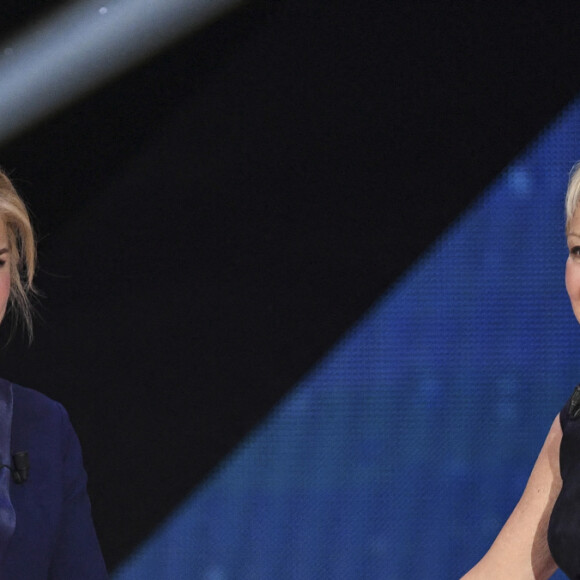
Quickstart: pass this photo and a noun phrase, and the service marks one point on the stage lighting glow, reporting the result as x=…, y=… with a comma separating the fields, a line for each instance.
x=82, y=46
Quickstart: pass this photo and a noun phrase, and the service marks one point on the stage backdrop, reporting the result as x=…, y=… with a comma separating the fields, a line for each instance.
x=404, y=451
x=271, y=372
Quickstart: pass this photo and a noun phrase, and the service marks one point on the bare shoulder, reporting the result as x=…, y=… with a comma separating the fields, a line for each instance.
x=547, y=467
x=521, y=548
x=554, y=437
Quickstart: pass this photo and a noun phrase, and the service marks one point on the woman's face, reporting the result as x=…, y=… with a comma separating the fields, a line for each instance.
x=573, y=263
x=4, y=269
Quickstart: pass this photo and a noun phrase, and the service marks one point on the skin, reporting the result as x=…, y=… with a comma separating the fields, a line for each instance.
x=4, y=270
x=520, y=550
x=573, y=263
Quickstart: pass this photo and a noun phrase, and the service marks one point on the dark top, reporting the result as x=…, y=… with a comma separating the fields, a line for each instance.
x=564, y=527
x=54, y=537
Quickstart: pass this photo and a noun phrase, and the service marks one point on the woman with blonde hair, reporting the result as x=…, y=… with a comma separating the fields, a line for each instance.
x=46, y=530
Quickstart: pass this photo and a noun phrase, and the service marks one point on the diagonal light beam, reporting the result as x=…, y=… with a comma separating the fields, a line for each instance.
x=85, y=44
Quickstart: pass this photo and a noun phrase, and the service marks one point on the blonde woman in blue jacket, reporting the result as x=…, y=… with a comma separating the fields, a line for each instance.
x=46, y=530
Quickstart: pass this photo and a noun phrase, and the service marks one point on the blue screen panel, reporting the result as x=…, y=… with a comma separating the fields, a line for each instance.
x=404, y=451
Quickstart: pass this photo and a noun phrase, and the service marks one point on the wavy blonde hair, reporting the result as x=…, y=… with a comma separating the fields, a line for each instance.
x=22, y=246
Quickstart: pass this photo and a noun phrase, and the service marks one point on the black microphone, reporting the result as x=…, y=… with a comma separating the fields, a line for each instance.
x=21, y=466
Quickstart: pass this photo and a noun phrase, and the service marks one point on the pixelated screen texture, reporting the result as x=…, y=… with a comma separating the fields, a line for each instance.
x=403, y=452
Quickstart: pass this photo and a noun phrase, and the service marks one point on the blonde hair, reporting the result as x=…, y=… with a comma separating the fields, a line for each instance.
x=22, y=246
x=572, y=194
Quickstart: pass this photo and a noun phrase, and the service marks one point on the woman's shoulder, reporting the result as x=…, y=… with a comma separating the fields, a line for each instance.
x=28, y=396
x=571, y=409
x=37, y=415
x=34, y=402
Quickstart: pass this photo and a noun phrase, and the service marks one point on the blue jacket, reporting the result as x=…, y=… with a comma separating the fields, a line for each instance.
x=54, y=537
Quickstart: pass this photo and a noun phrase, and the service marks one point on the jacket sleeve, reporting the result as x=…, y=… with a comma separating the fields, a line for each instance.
x=77, y=553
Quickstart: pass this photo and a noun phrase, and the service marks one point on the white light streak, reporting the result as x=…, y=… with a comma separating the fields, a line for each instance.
x=84, y=45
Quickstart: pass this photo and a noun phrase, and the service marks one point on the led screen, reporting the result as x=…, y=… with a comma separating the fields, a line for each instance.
x=403, y=452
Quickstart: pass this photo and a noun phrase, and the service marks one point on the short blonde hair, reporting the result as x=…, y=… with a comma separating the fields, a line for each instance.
x=573, y=194
x=22, y=246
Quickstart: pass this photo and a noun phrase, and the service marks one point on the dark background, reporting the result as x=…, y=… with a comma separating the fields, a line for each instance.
x=211, y=222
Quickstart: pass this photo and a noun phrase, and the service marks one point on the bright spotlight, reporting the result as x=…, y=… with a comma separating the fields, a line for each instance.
x=85, y=44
